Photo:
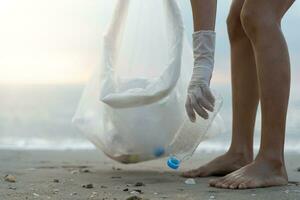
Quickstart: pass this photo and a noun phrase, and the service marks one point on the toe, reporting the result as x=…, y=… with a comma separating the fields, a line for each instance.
x=227, y=182
x=242, y=186
x=244, y=183
x=220, y=182
x=234, y=185
x=213, y=182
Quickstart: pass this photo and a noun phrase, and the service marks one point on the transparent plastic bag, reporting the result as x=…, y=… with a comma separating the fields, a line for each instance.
x=133, y=107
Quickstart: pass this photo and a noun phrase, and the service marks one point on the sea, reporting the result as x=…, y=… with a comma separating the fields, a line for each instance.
x=38, y=117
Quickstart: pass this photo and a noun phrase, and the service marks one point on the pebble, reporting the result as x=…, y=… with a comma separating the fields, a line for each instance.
x=116, y=177
x=74, y=194
x=139, y=184
x=12, y=188
x=85, y=171
x=190, y=181
x=135, y=192
x=93, y=195
x=298, y=169
x=75, y=172
x=55, y=191
x=10, y=178
x=134, y=198
x=126, y=190
x=103, y=186
x=88, y=186
x=212, y=197
x=55, y=180
x=116, y=168
x=36, y=195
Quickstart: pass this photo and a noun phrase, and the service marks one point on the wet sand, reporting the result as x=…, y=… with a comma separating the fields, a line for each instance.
x=64, y=175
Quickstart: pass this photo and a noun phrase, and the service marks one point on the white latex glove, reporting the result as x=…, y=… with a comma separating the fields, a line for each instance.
x=200, y=98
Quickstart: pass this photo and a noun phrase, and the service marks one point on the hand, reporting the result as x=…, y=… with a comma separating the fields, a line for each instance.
x=199, y=99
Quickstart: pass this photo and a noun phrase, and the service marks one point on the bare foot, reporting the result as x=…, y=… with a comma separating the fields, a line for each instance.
x=220, y=166
x=262, y=173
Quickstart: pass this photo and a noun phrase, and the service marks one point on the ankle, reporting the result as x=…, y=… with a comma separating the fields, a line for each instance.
x=244, y=156
x=272, y=158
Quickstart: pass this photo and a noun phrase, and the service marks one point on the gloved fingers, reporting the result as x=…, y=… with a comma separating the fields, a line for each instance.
x=208, y=94
x=189, y=109
x=205, y=103
x=198, y=108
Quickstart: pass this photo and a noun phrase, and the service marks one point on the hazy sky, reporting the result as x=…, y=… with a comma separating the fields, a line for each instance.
x=58, y=41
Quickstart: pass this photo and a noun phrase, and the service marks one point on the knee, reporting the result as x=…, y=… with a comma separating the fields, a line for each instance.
x=234, y=26
x=255, y=22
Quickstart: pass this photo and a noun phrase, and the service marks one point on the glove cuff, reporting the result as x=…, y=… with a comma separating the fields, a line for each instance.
x=204, y=52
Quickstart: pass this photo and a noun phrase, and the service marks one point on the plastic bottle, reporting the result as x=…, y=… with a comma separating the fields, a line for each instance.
x=190, y=135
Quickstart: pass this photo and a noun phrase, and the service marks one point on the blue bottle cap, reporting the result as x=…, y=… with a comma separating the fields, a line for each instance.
x=173, y=163
x=158, y=152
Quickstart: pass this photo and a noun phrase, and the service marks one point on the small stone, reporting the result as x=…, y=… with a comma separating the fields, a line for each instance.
x=103, y=187
x=136, y=192
x=12, y=188
x=134, y=198
x=116, y=177
x=36, y=195
x=10, y=178
x=93, y=195
x=55, y=191
x=75, y=172
x=287, y=191
x=190, y=181
x=88, y=186
x=126, y=190
x=74, y=194
x=212, y=197
x=139, y=184
x=116, y=168
x=85, y=171
x=55, y=180
x=298, y=169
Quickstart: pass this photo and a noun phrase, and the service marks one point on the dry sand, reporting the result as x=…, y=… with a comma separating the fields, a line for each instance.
x=61, y=175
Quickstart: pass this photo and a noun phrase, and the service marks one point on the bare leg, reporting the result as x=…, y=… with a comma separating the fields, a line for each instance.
x=261, y=21
x=204, y=14
x=245, y=101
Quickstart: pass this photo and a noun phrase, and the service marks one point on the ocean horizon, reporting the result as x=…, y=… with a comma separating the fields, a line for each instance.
x=38, y=117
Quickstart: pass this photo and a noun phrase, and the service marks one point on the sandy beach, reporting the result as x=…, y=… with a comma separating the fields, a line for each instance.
x=90, y=175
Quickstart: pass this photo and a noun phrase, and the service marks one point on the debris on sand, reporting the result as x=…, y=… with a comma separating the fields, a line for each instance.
x=103, y=186
x=88, y=186
x=85, y=171
x=190, y=181
x=55, y=191
x=36, y=195
x=139, y=184
x=116, y=177
x=134, y=198
x=94, y=195
x=136, y=192
x=74, y=194
x=116, y=168
x=75, y=171
x=55, y=180
x=126, y=190
x=10, y=178
x=298, y=169
x=12, y=188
